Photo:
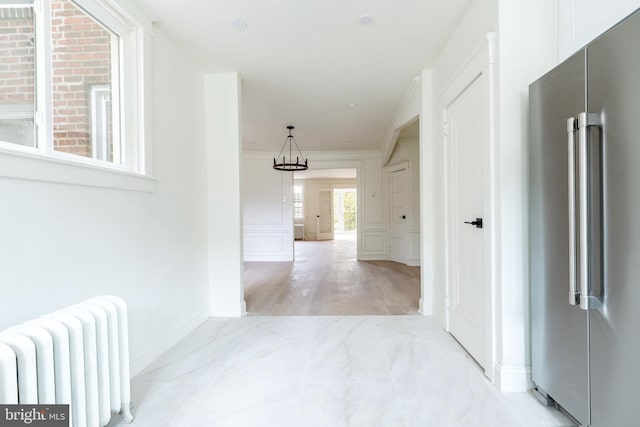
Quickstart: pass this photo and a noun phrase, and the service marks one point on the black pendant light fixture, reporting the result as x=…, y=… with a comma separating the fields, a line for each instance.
x=288, y=166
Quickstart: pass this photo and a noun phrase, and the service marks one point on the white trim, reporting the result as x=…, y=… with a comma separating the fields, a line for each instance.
x=44, y=72
x=33, y=166
x=145, y=359
x=320, y=156
x=429, y=165
x=513, y=379
x=115, y=19
x=481, y=65
x=99, y=130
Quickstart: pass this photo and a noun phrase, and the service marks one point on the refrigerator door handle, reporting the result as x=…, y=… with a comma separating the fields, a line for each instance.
x=574, y=296
x=587, y=239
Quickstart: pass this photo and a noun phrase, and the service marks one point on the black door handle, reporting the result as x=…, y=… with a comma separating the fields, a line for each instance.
x=403, y=217
x=477, y=222
x=317, y=216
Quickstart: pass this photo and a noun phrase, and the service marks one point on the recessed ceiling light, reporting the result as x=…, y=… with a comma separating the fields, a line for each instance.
x=366, y=20
x=238, y=24
x=352, y=105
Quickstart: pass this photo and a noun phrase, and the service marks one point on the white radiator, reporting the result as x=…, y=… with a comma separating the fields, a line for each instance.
x=77, y=356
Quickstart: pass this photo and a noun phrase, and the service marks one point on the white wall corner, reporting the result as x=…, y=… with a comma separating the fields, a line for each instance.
x=161, y=347
x=512, y=379
x=407, y=111
x=429, y=182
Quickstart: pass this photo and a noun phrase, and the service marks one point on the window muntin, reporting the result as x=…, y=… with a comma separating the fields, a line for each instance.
x=17, y=74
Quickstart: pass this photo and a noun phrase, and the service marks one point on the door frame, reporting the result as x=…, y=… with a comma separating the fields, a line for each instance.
x=388, y=170
x=482, y=66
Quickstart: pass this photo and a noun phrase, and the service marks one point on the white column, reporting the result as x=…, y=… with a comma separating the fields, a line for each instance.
x=224, y=150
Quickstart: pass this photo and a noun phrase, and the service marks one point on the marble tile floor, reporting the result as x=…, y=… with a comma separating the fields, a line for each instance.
x=325, y=371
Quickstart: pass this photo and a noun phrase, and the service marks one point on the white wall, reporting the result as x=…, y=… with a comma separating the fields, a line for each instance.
x=581, y=22
x=267, y=210
x=64, y=243
x=526, y=45
x=408, y=149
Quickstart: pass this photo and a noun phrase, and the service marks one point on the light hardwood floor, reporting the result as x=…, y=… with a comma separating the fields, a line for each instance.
x=326, y=279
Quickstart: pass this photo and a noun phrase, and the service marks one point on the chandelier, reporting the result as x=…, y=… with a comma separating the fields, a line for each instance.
x=301, y=162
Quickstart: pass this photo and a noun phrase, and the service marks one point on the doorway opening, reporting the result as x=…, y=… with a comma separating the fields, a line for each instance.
x=325, y=209
x=345, y=202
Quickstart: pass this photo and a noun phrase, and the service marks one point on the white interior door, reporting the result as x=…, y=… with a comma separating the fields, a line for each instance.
x=325, y=215
x=398, y=194
x=464, y=130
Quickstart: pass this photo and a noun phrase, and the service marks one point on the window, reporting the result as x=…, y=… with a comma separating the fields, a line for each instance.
x=63, y=82
x=298, y=201
x=17, y=74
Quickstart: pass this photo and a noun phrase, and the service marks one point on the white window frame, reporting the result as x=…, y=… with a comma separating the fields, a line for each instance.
x=294, y=200
x=100, y=98
x=128, y=92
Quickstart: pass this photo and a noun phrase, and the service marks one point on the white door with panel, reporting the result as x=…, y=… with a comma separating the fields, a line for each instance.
x=325, y=215
x=399, y=208
x=465, y=235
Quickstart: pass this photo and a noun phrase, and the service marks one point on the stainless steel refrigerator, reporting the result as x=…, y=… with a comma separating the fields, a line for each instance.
x=584, y=207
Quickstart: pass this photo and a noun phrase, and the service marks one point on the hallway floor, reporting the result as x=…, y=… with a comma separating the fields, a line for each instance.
x=326, y=279
x=330, y=371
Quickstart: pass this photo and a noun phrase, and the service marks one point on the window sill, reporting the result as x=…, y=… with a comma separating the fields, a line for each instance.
x=40, y=167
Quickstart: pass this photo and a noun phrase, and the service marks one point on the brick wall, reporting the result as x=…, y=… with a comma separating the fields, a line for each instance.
x=17, y=62
x=81, y=59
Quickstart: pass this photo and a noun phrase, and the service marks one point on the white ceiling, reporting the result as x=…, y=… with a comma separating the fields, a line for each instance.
x=303, y=62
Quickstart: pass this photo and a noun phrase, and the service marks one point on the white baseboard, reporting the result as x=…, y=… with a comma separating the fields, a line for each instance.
x=169, y=341
x=261, y=257
x=373, y=257
x=510, y=379
x=413, y=262
x=425, y=309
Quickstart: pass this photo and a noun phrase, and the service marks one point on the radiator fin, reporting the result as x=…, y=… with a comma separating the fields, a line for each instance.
x=77, y=356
